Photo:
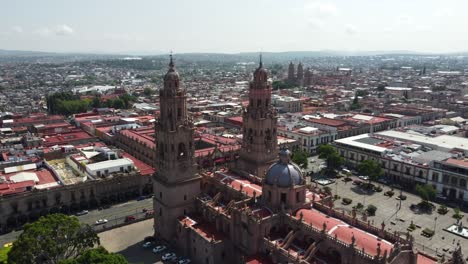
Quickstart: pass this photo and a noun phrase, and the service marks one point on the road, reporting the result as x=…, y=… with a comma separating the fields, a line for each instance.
x=114, y=214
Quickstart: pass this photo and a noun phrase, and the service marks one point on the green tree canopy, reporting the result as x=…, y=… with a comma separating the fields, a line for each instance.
x=97, y=255
x=355, y=105
x=331, y=157
x=427, y=192
x=300, y=158
x=148, y=91
x=381, y=87
x=370, y=168
x=51, y=239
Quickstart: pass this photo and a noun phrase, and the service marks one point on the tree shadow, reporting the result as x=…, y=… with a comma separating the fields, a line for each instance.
x=359, y=190
x=136, y=254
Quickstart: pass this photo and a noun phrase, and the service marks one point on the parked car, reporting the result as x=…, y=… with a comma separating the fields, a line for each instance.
x=140, y=198
x=147, y=244
x=159, y=249
x=149, y=213
x=101, y=221
x=82, y=212
x=169, y=256
x=184, y=261
x=130, y=218
x=364, y=178
x=357, y=182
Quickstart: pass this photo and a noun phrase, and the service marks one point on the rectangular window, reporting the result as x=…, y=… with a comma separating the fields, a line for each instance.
x=283, y=197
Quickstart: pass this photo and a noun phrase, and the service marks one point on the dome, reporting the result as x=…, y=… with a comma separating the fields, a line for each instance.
x=284, y=173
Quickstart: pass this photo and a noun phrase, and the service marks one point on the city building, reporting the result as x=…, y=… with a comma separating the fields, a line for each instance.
x=409, y=157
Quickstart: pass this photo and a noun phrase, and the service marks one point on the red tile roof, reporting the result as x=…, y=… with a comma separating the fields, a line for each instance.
x=144, y=168
x=345, y=232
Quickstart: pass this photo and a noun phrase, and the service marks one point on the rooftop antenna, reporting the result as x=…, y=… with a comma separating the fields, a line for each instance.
x=171, y=63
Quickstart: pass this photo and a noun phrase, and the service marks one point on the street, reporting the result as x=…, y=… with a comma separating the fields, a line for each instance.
x=115, y=214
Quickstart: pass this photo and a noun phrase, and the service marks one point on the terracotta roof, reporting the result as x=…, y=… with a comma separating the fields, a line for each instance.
x=345, y=232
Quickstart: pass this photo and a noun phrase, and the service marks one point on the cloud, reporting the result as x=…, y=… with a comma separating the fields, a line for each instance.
x=404, y=20
x=321, y=8
x=62, y=30
x=444, y=12
x=17, y=29
x=59, y=30
x=351, y=29
x=315, y=23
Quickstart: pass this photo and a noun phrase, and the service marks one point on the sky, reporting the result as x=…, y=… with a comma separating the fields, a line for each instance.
x=233, y=26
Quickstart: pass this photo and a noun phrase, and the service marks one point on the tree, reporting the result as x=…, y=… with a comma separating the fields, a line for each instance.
x=97, y=255
x=96, y=103
x=148, y=91
x=381, y=87
x=51, y=239
x=370, y=168
x=118, y=104
x=331, y=157
x=300, y=158
x=427, y=193
x=355, y=105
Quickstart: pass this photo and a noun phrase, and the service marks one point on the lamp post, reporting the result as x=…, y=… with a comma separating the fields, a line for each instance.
x=336, y=189
x=396, y=213
x=401, y=194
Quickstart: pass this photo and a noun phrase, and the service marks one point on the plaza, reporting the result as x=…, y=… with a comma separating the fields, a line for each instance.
x=399, y=219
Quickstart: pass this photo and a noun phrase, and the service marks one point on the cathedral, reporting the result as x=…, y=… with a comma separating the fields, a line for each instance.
x=300, y=78
x=260, y=209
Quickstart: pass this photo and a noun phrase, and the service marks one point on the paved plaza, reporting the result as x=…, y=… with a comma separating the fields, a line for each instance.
x=396, y=219
x=127, y=240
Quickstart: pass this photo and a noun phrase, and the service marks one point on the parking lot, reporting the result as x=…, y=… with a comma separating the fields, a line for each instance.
x=399, y=219
x=128, y=241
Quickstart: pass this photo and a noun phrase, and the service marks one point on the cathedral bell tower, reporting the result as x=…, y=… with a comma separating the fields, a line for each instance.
x=175, y=183
x=259, y=142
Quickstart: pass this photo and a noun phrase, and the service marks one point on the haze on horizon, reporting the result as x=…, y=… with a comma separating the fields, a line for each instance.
x=233, y=26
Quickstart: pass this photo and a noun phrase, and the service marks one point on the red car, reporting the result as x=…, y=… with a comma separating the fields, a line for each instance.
x=130, y=218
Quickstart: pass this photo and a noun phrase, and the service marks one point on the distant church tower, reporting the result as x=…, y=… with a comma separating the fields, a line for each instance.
x=300, y=74
x=307, y=77
x=260, y=143
x=176, y=184
x=291, y=75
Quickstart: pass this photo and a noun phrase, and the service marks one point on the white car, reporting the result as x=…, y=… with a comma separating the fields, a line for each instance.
x=159, y=249
x=169, y=256
x=147, y=244
x=101, y=221
x=82, y=212
x=364, y=178
x=184, y=261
